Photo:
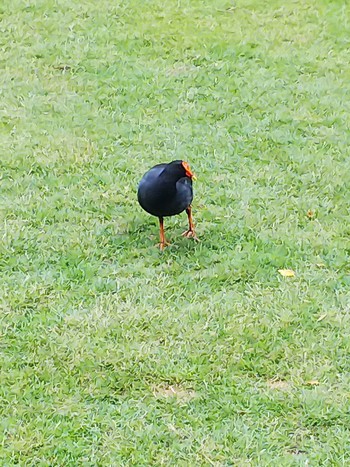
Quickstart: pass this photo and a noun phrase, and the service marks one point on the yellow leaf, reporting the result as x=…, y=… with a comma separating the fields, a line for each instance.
x=286, y=272
x=313, y=382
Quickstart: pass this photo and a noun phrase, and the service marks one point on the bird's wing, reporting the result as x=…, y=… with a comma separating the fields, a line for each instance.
x=153, y=173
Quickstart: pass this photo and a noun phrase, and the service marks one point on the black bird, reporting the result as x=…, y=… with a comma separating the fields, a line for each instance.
x=166, y=190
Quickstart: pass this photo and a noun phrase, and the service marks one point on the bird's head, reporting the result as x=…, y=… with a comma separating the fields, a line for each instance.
x=178, y=169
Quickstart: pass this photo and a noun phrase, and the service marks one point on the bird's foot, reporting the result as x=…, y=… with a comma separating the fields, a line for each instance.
x=190, y=233
x=162, y=245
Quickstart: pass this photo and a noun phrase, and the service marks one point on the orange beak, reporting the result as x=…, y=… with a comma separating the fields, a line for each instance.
x=189, y=173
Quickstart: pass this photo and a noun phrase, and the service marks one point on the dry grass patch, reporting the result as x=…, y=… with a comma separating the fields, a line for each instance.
x=177, y=391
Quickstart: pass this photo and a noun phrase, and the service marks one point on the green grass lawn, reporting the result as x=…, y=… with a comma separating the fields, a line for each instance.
x=115, y=354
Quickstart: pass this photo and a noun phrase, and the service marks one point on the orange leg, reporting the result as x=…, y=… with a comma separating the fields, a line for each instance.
x=191, y=231
x=163, y=242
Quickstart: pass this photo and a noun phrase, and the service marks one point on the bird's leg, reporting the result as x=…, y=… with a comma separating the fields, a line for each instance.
x=163, y=242
x=191, y=231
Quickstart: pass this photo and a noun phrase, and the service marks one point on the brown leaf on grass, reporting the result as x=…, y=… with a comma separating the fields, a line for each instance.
x=296, y=451
x=177, y=391
x=63, y=67
x=286, y=272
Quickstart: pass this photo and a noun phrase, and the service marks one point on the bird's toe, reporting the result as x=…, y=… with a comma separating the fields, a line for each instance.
x=162, y=245
x=190, y=234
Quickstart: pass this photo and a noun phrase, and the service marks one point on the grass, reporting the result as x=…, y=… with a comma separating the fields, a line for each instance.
x=115, y=354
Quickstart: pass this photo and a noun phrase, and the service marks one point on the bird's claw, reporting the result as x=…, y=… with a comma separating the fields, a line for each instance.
x=162, y=245
x=190, y=233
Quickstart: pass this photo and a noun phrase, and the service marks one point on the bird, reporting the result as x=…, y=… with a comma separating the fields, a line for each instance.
x=166, y=190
